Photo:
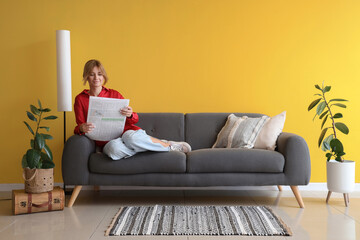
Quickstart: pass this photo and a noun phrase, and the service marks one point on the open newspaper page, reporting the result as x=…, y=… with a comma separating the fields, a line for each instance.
x=105, y=114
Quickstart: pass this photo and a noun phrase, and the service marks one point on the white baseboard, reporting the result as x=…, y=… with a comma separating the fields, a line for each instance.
x=310, y=187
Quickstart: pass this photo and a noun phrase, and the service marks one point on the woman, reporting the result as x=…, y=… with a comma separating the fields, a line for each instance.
x=134, y=139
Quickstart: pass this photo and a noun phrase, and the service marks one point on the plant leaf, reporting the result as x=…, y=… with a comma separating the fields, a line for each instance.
x=326, y=143
x=317, y=94
x=31, y=116
x=313, y=104
x=338, y=115
x=34, y=110
x=323, y=122
x=322, y=136
x=47, y=128
x=323, y=114
x=30, y=129
x=336, y=146
x=46, y=162
x=46, y=136
x=24, y=162
x=48, y=152
x=339, y=105
x=40, y=142
x=342, y=127
x=320, y=108
x=318, y=87
x=32, y=143
x=338, y=100
x=327, y=89
x=39, y=104
x=46, y=110
x=33, y=157
x=50, y=117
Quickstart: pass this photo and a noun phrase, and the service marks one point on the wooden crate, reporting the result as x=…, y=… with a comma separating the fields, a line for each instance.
x=23, y=202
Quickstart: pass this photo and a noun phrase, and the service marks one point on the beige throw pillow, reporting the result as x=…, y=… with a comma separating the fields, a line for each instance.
x=239, y=132
x=270, y=132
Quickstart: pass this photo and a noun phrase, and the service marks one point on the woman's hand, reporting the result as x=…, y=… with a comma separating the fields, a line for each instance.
x=127, y=111
x=86, y=127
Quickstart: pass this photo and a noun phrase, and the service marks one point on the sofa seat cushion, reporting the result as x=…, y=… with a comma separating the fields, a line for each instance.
x=235, y=160
x=146, y=162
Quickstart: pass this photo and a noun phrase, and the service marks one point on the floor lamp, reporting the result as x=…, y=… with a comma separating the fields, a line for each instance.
x=63, y=55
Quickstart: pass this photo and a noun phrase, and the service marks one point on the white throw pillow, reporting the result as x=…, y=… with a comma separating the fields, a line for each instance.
x=270, y=132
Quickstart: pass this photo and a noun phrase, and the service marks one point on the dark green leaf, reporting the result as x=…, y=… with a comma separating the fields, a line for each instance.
x=317, y=94
x=46, y=162
x=336, y=146
x=48, y=152
x=47, y=128
x=32, y=144
x=318, y=87
x=46, y=110
x=31, y=116
x=33, y=157
x=34, y=110
x=338, y=100
x=339, y=105
x=338, y=115
x=327, y=89
x=320, y=108
x=313, y=104
x=342, y=127
x=46, y=136
x=40, y=142
x=338, y=158
x=323, y=114
x=24, y=162
x=341, y=154
x=323, y=122
x=30, y=129
x=322, y=136
x=39, y=104
x=50, y=117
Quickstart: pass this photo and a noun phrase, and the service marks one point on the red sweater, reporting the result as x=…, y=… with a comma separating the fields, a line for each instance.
x=81, y=107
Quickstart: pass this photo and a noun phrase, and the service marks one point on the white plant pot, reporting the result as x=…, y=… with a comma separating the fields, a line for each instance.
x=340, y=176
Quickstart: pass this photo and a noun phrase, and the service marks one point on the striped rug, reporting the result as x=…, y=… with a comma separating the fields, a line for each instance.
x=197, y=220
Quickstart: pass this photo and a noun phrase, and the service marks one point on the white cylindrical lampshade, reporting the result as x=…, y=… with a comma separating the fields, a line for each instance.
x=64, y=97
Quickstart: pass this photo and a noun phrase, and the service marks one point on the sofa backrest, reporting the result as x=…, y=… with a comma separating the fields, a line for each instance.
x=201, y=129
x=168, y=126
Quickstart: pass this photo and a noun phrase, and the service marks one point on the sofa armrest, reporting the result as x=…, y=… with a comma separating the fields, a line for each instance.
x=297, y=167
x=75, y=158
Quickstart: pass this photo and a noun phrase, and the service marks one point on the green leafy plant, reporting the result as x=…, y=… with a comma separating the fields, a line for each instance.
x=324, y=110
x=39, y=155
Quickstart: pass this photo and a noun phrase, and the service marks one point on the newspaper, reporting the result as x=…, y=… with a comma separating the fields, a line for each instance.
x=105, y=114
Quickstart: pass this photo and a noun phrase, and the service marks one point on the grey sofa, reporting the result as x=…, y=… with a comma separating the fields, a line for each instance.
x=202, y=167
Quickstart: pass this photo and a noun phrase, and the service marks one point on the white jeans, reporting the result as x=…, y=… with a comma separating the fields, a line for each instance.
x=131, y=143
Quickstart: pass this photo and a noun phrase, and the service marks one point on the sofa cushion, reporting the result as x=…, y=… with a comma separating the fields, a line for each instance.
x=235, y=160
x=145, y=162
x=169, y=126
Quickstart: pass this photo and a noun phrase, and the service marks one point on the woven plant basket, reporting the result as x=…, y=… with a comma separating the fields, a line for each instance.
x=38, y=180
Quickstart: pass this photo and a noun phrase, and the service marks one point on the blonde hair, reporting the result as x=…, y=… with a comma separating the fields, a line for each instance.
x=89, y=66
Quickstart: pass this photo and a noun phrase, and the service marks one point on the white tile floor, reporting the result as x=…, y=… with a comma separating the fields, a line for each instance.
x=93, y=212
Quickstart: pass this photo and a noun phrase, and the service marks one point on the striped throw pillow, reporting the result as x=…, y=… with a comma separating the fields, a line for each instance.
x=239, y=132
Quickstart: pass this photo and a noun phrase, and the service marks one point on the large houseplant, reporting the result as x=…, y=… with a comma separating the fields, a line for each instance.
x=340, y=172
x=37, y=162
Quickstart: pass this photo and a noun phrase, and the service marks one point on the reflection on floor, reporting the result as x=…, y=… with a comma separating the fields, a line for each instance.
x=93, y=212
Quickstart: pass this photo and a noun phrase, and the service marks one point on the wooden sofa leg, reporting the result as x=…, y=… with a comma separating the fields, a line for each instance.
x=279, y=187
x=74, y=195
x=296, y=192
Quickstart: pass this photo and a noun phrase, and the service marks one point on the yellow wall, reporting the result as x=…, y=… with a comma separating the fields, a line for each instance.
x=183, y=56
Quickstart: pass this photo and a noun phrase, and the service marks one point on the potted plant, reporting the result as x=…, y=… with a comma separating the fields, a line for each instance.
x=37, y=162
x=340, y=172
